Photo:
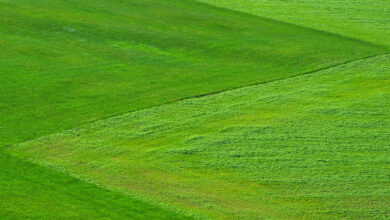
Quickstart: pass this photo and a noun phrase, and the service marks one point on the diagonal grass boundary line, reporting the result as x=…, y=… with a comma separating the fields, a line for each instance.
x=295, y=25
x=147, y=200
x=212, y=93
x=238, y=87
x=266, y=82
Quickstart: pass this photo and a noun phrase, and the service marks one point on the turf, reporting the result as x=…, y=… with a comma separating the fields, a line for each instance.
x=305, y=147
x=66, y=63
x=309, y=147
x=31, y=191
x=367, y=20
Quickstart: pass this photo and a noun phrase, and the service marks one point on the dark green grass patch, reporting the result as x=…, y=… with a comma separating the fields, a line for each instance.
x=65, y=63
x=310, y=147
x=30, y=191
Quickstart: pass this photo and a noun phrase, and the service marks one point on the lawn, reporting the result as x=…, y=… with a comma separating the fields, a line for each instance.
x=367, y=20
x=313, y=146
x=181, y=109
x=31, y=191
x=66, y=63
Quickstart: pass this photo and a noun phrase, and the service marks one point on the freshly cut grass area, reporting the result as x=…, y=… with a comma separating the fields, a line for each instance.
x=31, y=191
x=66, y=63
x=367, y=20
x=309, y=147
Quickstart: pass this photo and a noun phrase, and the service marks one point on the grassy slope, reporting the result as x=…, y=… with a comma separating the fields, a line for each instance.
x=64, y=63
x=368, y=20
x=30, y=191
x=313, y=146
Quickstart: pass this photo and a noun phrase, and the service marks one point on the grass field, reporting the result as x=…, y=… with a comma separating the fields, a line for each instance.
x=65, y=63
x=181, y=109
x=284, y=149
x=366, y=20
x=30, y=191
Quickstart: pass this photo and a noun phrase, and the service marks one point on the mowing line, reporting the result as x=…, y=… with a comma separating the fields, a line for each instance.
x=210, y=94
x=238, y=87
x=294, y=24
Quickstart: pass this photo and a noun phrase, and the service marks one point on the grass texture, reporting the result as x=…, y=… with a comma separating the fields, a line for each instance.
x=367, y=20
x=309, y=147
x=31, y=191
x=66, y=63
x=305, y=147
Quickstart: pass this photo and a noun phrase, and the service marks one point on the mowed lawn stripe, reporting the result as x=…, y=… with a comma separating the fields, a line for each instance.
x=65, y=63
x=308, y=147
x=366, y=20
x=31, y=191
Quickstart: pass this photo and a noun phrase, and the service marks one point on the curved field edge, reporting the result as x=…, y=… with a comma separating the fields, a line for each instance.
x=313, y=146
x=364, y=20
x=31, y=191
x=66, y=63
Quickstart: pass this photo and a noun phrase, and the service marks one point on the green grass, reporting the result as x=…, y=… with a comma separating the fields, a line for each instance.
x=30, y=191
x=367, y=20
x=304, y=147
x=309, y=147
x=66, y=63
